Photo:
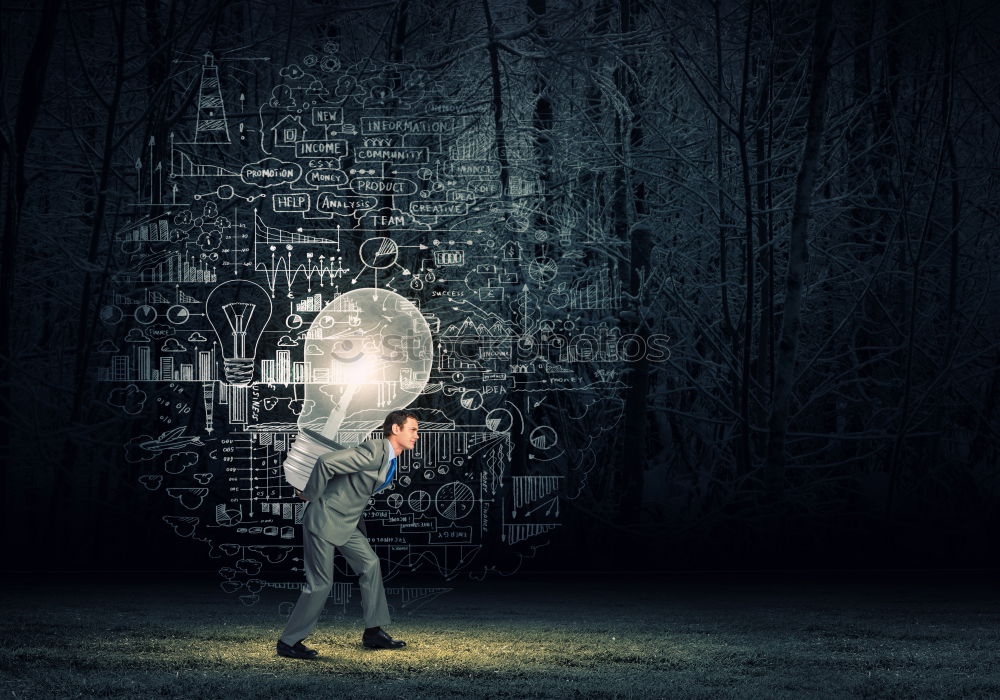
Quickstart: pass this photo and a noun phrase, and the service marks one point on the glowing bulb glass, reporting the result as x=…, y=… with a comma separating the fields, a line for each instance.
x=369, y=352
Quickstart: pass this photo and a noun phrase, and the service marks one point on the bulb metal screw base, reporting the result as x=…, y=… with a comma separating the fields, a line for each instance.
x=238, y=370
x=302, y=455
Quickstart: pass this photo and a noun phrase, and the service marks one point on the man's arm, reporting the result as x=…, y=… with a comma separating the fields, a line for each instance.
x=331, y=464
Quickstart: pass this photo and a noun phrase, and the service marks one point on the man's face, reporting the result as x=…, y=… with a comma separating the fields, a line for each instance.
x=406, y=435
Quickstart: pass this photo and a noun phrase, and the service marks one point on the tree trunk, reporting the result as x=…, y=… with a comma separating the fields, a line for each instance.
x=895, y=463
x=629, y=209
x=29, y=102
x=71, y=447
x=745, y=453
x=500, y=138
x=798, y=252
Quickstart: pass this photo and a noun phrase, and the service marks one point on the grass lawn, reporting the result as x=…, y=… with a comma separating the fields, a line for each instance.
x=685, y=636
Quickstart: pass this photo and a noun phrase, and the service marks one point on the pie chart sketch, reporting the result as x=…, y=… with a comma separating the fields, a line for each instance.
x=454, y=500
x=471, y=400
x=543, y=437
x=111, y=314
x=228, y=517
x=178, y=314
x=379, y=252
x=394, y=500
x=419, y=501
x=145, y=314
x=543, y=270
x=499, y=420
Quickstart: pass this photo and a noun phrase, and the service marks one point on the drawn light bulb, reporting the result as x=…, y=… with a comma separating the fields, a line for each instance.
x=369, y=352
x=238, y=311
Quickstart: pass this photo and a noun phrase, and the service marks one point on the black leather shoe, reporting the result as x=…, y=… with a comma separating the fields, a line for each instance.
x=296, y=651
x=381, y=640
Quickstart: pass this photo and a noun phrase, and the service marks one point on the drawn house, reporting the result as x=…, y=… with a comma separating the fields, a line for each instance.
x=287, y=132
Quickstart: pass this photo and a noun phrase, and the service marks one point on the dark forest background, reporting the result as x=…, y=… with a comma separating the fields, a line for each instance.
x=802, y=195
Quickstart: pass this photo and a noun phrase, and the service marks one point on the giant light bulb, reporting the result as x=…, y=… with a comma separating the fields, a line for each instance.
x=238, y=311
x=369, y=352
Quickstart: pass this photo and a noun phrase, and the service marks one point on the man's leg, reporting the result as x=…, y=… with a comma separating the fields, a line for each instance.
x=364, y=562
x=318, y=555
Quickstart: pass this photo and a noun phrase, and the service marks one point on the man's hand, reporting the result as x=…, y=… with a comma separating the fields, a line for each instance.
x=299, y=494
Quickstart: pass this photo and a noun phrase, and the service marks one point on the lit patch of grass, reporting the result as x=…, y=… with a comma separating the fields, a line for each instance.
x=516, y=641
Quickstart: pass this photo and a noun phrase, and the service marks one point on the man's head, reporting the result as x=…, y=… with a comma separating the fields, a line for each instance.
x=400, y=428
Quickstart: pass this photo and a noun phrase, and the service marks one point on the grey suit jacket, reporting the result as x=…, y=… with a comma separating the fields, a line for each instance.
x=340, y=486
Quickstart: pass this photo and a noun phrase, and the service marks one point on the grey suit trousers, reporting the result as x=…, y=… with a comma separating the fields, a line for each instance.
x=319, y=580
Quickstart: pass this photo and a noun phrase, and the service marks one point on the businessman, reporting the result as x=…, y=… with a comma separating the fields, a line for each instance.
x=338, y=491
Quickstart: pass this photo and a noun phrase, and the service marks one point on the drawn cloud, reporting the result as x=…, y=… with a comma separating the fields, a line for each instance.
x=301, y=407
x=189, y=498
x=292, y=71
x=172, y=345
x=135, y=452
x=274, y=554
x=249, y=566
x=130, y=399
x=151, y=481
x=281, y=97
x=270, y=172
x=183, y=526
x=209, y=240
x=161, y=330
x=179, y=461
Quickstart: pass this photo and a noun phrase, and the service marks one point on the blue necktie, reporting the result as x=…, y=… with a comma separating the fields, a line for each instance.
x=388, y=479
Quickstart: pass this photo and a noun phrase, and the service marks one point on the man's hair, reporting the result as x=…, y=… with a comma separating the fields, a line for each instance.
x=396, y=418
